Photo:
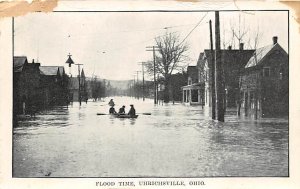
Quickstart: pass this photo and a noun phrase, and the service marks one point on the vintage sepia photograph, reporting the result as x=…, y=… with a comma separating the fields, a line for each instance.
x=151, y=94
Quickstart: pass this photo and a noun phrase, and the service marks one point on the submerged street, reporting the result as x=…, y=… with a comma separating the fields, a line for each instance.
x=174, y=141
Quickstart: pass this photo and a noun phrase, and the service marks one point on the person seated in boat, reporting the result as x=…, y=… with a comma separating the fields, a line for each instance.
x=122, y=110
x=131, y=111
x=112, y=110
x=111, y=102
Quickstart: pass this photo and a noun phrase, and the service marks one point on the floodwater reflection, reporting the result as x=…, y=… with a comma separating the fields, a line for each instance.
x=174, y=141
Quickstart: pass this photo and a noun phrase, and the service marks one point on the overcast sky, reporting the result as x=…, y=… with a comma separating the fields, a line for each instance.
x=110, y=45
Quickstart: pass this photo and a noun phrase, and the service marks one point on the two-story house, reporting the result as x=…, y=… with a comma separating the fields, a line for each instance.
x=233, y=62
x=265, y=82
x=191, y=92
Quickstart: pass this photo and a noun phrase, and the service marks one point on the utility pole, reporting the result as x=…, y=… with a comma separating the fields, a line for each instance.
x=13, y=36
x=79, y=87
x=154, y=48
x=219, y=71
x=213, y=68
x=134, y=87
x=142, y=63
x=137, y=81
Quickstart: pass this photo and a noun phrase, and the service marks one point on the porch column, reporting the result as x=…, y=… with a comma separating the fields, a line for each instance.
x=182, y=95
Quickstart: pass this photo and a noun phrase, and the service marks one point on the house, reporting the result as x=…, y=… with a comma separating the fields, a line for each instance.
x=26, y=82
x=265, y=82
x=191, y=92
x=233, y=61
x=54, y=85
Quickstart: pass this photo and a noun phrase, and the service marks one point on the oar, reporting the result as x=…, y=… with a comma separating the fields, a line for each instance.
x=102, y=114
x=112, y=114
x=144, y=113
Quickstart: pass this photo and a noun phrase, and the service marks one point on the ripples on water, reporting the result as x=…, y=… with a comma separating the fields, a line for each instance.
x=175, y=141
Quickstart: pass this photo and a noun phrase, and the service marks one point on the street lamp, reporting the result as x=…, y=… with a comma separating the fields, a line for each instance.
x=70, y=62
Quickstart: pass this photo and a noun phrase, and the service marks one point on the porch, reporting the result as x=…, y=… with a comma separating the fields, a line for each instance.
x=193, y=94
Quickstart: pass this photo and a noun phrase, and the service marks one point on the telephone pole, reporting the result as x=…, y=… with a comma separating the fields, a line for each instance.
x=153, y=49
x=137, y=86
x=142, y=63
x=213, y=88
x=219, y=72
x=13, y=36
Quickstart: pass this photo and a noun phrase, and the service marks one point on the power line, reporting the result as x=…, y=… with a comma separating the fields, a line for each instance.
x=193, y=28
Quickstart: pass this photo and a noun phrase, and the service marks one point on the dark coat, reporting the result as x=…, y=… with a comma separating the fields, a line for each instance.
x=131, y=111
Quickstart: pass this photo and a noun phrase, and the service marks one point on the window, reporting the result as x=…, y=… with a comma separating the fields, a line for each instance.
x=266, y=72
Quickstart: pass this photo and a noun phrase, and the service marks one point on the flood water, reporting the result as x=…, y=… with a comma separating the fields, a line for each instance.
x=174, y=141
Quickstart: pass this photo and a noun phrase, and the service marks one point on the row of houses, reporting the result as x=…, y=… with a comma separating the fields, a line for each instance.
x=38, y=87
x=256, y=81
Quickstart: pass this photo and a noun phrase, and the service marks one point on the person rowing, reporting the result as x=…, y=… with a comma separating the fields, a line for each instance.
x=122, y=110
x=131, y=111
x=112, y=110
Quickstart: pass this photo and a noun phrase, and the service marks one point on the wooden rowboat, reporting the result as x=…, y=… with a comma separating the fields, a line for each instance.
x=124, y=116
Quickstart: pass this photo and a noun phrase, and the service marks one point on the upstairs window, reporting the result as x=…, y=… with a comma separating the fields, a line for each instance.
x=266, y=71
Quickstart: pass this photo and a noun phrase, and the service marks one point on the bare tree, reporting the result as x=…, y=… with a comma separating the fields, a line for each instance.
x=170, y=56
x=253, y=42
x=238, y=33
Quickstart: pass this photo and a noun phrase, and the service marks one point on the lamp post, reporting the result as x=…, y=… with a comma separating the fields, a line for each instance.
x=70, y=62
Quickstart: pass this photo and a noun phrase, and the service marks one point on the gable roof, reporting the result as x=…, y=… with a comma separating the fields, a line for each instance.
x=259, y=55
x=49, y=70
x=192, y=72
x=61, y=70
x=19, y=62
x=232, y=58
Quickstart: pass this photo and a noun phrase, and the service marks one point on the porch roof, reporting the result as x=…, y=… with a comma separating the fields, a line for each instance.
x=193, y=86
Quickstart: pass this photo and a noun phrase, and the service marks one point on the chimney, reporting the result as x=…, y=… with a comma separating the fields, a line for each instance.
x=275, y=38
x=241, y=46
x=229, y=47
x=32, y=61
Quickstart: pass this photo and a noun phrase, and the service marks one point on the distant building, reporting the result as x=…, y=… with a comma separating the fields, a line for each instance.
x=26, y=85
x=265, y=82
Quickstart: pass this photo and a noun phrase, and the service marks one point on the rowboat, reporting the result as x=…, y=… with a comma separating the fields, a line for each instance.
x=124, y=116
